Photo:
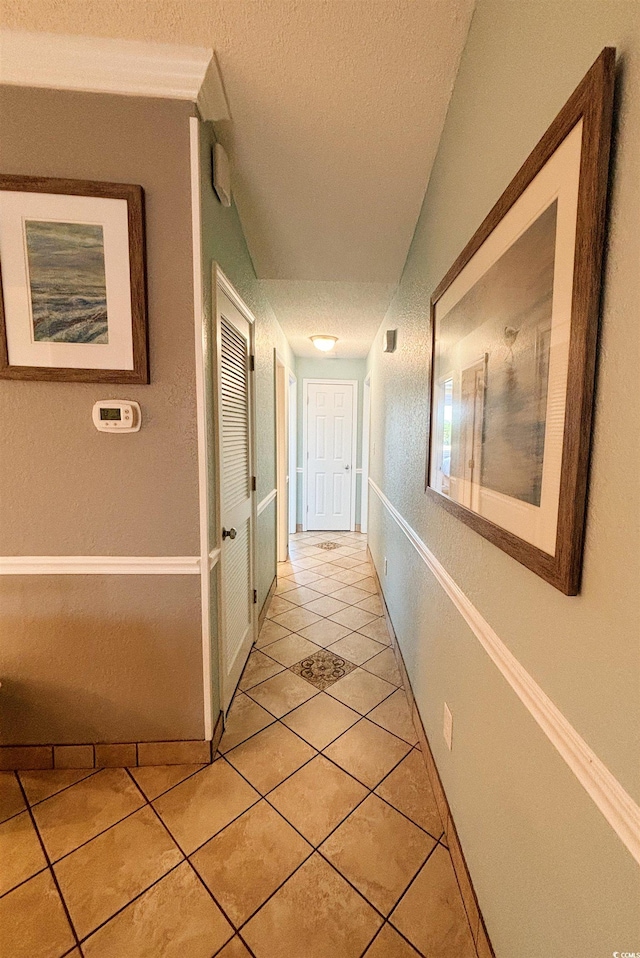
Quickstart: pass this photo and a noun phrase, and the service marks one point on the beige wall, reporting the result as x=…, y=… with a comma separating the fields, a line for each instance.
x=104, y=658
x=552, y=876
x=94, y=494
x=134, y=642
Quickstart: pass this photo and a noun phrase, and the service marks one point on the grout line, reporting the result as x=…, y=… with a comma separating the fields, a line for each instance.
x=239, y=936
x=265, y=796
x=163, y=876
x=20, y=810
x=368, y=946
x=370, y=790
x=97, y=835
x=24, y=880
x=411, y=883
x=276, y=890
x=414, y=950
x=436, y=838
x=128, y=768
x=234, y=819
x=50, y=867
x=327, y=648
x=344, y=878
x=220, y=831
x=90, y=773
x=132, y=900
x=253, y=734
x=290, y=775
x=327, y=692
x=215, y=900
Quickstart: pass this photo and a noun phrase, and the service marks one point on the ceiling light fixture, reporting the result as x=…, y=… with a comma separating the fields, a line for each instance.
x=324, y=343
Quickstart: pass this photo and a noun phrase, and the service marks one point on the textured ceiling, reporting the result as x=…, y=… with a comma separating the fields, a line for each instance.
x=337, y=108
x=350, y=311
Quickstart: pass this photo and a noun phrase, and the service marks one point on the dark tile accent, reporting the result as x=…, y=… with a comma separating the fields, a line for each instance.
x=323, y=668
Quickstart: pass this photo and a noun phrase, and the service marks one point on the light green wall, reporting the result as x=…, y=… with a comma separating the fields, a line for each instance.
x=224, y=243
x=328, y=368
x=552, y=877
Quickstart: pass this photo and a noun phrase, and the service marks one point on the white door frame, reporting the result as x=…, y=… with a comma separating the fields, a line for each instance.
x=281, y=384
x=203, y=361
x=220, y=281
x=305, y=447
x=366, y=432
x=293, y=443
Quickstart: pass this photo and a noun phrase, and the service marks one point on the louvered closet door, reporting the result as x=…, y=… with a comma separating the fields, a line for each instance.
x=235, y=423
x=330, y=461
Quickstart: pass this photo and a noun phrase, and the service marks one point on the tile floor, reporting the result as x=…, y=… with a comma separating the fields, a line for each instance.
x=314, y=834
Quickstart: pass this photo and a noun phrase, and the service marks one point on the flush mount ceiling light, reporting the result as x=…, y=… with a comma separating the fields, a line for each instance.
x=324, y=343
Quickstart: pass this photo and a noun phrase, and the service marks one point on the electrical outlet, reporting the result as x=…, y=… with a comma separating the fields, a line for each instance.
x=385, y=565
x=447, y=726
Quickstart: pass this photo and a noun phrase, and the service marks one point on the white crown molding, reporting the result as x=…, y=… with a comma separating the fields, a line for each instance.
x=617, y=806
x=265, y=502
x=99, y=565
x=125, y=67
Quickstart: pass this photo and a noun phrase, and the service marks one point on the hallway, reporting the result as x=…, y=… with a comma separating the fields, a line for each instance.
x=273, y=265
x=314, y=834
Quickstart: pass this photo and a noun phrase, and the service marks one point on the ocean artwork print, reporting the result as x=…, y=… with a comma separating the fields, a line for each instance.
x=67, y=282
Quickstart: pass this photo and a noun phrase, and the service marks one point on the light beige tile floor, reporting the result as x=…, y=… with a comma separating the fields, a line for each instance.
x=314, y=834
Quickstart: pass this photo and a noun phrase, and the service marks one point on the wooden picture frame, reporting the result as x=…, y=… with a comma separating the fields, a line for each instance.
x=91, y=325
x=478, y=287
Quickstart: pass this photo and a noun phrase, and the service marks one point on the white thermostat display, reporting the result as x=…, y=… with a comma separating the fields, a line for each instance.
x=116, y=415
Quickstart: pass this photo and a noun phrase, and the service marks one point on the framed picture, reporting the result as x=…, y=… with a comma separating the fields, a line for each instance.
x=514, y=326
x=73, y=295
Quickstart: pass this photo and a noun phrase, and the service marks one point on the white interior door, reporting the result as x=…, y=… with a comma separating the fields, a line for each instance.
x=235, y=437
x=282, y=457
x=330, y=417
x=293, y=472
x=366, y=433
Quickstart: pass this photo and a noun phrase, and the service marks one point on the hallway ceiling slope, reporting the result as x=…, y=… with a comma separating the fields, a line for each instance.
x=337, y=107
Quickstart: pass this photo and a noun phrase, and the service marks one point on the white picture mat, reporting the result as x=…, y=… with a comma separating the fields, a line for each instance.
x=111, y=214
x=558, y=179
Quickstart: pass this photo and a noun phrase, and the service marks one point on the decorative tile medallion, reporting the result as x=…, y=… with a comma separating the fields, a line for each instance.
x=323, y=668
x=328, y=545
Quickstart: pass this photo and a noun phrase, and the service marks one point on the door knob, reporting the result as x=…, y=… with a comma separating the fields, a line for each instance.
x=347, y=467
x=228, y=534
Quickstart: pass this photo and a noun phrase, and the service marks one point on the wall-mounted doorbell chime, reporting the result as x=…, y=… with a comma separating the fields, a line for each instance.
x=221, y=174
x=389, y=341
x=117, y=415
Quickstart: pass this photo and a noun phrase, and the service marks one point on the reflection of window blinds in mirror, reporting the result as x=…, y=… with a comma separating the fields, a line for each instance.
x=235, y=415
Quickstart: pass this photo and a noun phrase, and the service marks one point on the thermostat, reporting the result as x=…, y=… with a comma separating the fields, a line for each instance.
x=116, y=415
